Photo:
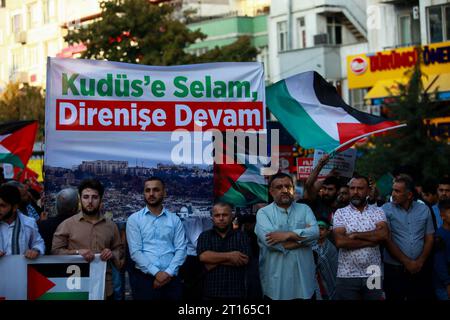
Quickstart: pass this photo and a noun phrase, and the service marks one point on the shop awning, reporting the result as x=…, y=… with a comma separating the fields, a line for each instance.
x=439, y=83
x=385, y=88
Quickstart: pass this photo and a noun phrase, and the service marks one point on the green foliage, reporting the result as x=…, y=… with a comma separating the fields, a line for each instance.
x=411, y=146
x=23, y=102
x=137, y=31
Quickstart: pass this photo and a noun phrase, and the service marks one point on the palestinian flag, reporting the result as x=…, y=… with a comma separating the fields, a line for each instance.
x=312, y=111
x=58, y=281
x=16, y=142
x=240, y=184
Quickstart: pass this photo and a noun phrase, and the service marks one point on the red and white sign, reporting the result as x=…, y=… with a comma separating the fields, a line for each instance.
x=304, y=168
x=100, y=115
x=358, y=65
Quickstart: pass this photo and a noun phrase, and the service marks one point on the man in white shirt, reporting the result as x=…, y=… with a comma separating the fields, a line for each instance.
x=18, y=233
x=358, y=229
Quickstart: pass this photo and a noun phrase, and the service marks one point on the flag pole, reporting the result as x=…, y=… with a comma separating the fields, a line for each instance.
x=365, y=135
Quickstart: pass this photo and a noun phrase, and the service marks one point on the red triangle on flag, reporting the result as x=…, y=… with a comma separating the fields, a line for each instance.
x=38, y=284
x=20, y=142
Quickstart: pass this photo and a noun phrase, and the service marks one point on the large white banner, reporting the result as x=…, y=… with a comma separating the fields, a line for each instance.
x=51, y=278
x=123, y=122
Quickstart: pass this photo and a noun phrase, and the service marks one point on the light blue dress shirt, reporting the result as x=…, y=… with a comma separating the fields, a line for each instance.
x=408, y=229
x=287, y=274
x=156, y=243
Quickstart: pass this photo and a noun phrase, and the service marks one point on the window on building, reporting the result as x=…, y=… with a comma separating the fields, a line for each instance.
x=282, y=35
x=16, y=23
x=357, y=98
x=301, y=29
x=49, y=7
x=405, y=30
x=334, y=30
x=439, y=23
x=200, y=51
x=33, y=15
x=33, y=56
x=17, y=60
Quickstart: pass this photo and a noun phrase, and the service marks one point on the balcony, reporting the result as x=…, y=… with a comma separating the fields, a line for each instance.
x=325, y=59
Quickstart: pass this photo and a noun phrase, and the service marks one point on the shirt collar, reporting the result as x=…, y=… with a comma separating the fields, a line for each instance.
x=403, y=209
x=356, y=209
x=283, y=210
x=163, y=212
x=80, y=217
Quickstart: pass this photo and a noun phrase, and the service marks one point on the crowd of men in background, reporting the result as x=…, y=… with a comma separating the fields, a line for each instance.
x=339, y=241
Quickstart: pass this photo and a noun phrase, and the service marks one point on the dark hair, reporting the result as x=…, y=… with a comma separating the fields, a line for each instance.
x=444, y=205
x=280, y=175
x=333, y=181
x=429, y=186
x=361, y=177
x=444, y=180
x=154, y=178
x=91, y=184
x=10, y=194
x=15, y=184
x=407, y=181
x=221, y=203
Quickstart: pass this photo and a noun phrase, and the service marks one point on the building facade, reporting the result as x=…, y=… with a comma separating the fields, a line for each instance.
x=32, y=30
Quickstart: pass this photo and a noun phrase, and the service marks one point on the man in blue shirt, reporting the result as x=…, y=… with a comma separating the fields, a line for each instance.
x=441, y=266
x=285, y=231
x=443, y=192
x=407, y=276
x=157, y=244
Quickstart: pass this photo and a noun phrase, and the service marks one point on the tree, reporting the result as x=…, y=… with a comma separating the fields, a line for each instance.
x=137, y=31
x=23, y=102
x=411, y=146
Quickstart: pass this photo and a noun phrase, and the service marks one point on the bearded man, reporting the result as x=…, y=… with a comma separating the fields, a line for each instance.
x=89, y=232
x=158, y=246
x=358, y=229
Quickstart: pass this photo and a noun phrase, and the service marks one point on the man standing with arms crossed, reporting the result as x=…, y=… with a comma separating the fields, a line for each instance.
x=358, y=229
x=285, y=231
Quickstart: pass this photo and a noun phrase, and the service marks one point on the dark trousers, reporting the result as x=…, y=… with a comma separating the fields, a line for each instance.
x=144, y=290
x=191, y=275
x=356, y=289
x=399, y=284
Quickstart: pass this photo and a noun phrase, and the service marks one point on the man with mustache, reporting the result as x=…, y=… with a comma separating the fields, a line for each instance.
x=407, y=270
x=285, y=231
x=225, y=253
x=358, y=229
x=443, y=192
x=157, y=244
x=89, y=232
x=18, y=233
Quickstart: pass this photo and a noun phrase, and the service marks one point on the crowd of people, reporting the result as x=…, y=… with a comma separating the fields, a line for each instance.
x=339, y=241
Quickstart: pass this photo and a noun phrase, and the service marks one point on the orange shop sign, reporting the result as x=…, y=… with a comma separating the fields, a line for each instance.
x=365, y=69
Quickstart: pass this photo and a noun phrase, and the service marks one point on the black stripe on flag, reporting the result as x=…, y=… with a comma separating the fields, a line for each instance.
x=60, y=270
x=326, y=93
x=10, y=127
